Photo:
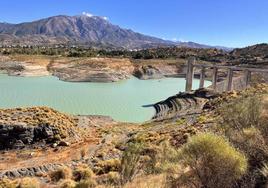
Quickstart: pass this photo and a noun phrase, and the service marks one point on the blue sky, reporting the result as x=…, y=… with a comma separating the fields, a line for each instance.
x=231, y=23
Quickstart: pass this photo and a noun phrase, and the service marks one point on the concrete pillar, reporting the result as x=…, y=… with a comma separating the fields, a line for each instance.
x=214, y=78
x=247, y=77
x=229, y=81
x=202, y=77
x=190, y=74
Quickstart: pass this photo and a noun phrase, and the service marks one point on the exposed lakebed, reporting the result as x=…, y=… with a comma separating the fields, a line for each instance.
x=121, y=100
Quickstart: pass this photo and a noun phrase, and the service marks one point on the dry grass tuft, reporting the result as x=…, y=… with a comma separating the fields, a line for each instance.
x=61, y=173
x=7, y=183
x=83, y=173
x=89, y=183
x=29, y=183
x=150, y=181
x=67, y=183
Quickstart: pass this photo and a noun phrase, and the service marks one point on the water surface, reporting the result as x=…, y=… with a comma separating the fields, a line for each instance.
x=122, y=100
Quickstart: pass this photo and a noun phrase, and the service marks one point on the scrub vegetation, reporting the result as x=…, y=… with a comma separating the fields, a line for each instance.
x=225, y=145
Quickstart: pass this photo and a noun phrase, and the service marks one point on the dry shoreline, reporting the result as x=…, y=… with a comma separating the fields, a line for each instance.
x=91, y=69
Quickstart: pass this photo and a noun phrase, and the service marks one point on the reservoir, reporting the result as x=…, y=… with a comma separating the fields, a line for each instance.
x=121, y=100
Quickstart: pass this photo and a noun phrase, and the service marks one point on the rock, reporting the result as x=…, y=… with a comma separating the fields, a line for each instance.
x=156, y=71
x=206, y=93
x=63, y=143
x=16, y=135
x=93, y=70
x=54, y=145
x=29, y=171
x=25, y=127
x=148, y=72
x=15, y=68
x=18, y=145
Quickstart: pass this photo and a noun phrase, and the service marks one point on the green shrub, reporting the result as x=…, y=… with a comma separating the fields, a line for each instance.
x=130, y=162
x=247, y=129
x=243, y=112
x=213, y=162
x=161, y=158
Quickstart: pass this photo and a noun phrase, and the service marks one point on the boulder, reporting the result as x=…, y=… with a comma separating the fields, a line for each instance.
x=63, y=143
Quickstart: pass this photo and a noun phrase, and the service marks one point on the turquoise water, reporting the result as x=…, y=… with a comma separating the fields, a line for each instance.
x=121, y=100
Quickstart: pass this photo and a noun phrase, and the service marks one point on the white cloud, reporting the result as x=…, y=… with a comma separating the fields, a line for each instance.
x=183, y=40
x=87, y=14
x=91, y=15
x=175, y=39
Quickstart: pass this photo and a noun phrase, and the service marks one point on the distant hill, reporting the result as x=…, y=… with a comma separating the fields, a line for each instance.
x=258, y=50
x=197, y=45
x=92, y=31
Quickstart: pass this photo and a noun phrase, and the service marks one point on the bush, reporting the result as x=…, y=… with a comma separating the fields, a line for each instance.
x=246, y=127
x=150, y=181
x=7, y=183
x=82, y=173
x=213, y=162
x=61, y=173
x=161, y=158
x=103, y=167
x=264, y=170
x=252, y=143
x=264, y=178
x=112, y=178
x=90, y=183
x=67, y=183
x=29, y=183
x=244, y=112
x=130, y=162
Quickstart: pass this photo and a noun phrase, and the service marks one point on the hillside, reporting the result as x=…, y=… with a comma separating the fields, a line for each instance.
x=81, y=29
x=258, y=50
x=85, y=30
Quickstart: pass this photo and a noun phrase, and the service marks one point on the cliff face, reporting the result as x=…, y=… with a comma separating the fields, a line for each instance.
x=69, y=69
x=156, y=71
x=14, y=68
x=92, y=70
x=23, y=127
x=89, y=69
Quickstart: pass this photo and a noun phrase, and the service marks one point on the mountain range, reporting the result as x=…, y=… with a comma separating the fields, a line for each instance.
x=86, y=30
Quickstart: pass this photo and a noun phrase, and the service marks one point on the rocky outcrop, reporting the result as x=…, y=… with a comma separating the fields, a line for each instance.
x=69, y=69
x=183, y=104
x=15, y=68
x=20, y=135
x=157, y=71
x=24, y=127
x=92, y=70
x=29, y=171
